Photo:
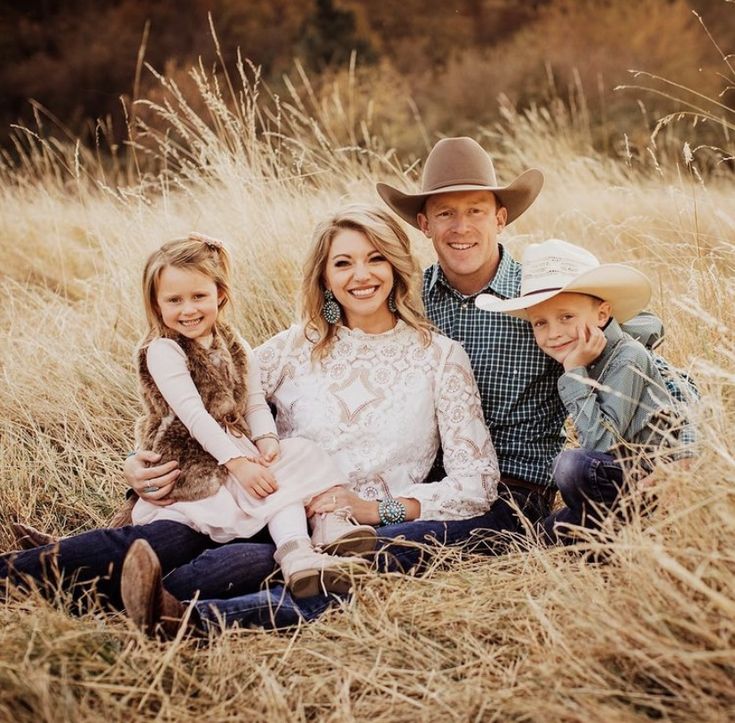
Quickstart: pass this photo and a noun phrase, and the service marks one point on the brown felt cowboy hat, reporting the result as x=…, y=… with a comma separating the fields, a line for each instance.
x=461, y=164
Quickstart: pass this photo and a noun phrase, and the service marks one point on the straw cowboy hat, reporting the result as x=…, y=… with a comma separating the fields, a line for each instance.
x=554, y=267
x=461, y=164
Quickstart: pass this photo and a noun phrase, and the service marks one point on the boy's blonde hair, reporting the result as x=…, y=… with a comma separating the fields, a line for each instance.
x=389, y=239
x=196, y=252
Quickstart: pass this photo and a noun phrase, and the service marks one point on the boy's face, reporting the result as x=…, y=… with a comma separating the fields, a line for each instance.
x=559, y=322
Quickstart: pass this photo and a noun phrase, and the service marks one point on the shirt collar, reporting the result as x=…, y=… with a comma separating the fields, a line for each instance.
x=504, y=284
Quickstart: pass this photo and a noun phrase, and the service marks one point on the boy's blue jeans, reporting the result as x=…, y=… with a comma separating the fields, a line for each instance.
x=590, y=484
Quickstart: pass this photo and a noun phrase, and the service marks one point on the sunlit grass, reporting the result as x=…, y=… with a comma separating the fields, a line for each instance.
x=535, y=635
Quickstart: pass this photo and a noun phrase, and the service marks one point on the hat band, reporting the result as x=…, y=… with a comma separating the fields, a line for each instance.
x=543, y=291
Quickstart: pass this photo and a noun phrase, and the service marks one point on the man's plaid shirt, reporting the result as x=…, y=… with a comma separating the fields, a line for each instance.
x=517, y=381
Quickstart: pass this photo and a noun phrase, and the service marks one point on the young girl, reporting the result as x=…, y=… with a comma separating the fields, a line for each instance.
x=205, y=408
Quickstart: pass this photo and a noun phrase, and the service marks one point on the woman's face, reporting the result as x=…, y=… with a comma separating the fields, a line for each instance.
x=361, y=279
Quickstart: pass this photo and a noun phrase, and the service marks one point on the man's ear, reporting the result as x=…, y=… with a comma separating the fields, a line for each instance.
x=604, y=312
x=423, y=222
x=501, y=216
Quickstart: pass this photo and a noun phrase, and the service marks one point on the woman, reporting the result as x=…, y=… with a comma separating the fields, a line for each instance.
x=366, y=378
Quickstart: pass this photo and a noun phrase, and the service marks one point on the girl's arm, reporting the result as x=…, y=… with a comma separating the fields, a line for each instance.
x=167, y=365
x=470, y=462
x=257, y=413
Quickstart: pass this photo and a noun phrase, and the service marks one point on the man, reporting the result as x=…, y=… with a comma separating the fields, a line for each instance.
x=462, y=208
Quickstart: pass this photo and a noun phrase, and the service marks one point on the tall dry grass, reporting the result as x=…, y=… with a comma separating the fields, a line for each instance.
x=534, y=635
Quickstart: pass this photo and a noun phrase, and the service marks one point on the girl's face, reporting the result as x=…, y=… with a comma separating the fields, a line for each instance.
x=361, y=279
x=188, y=302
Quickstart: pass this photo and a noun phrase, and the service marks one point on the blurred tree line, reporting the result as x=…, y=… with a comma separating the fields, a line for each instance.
x=76, y=58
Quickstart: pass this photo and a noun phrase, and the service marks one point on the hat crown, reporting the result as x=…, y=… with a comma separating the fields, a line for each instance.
x=553, y=264
x=457, y=161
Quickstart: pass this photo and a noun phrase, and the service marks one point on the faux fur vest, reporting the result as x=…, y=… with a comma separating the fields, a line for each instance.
x=219, y=374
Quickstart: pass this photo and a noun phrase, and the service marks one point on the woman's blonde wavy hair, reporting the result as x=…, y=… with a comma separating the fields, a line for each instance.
x=389, y=239
x=197, y=252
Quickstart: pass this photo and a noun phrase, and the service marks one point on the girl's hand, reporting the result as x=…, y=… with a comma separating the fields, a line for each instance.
x=590, y=344
x=151, y=483
x=269, y=449
x=255, y=479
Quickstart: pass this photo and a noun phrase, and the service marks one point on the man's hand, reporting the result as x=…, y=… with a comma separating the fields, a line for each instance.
x=151, y=483
x=590, y=344
x=269, y=449
x=254, y=478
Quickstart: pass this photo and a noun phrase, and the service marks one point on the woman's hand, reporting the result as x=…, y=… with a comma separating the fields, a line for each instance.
x=335, y=498
x=254, y=478
x=269, y=449
x=151, y=483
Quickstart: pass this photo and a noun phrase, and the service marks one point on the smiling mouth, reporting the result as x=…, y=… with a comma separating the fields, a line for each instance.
x=190, y=322
x=363, y=293
x=460, y=246
x=561, y=346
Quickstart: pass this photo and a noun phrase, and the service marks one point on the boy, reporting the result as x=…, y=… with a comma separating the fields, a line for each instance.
x=624, y=418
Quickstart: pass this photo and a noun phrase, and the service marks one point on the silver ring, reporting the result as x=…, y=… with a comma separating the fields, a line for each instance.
x=150, y=489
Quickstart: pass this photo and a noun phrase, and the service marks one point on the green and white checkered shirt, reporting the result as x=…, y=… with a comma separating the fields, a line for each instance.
x=517, y=381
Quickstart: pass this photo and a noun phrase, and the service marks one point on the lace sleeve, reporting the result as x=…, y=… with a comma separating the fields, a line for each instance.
x=470, y=487
x=271, y=358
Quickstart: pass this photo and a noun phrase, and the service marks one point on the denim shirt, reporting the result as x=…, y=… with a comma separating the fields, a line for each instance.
x=621, y=402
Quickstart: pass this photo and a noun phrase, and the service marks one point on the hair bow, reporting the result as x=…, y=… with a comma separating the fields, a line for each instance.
x=213, y=243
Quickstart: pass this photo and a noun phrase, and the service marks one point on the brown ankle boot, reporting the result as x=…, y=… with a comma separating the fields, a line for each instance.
x=151, y=608
x=27, y=537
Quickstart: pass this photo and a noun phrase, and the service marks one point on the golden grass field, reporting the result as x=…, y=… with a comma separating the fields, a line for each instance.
x=539, y=634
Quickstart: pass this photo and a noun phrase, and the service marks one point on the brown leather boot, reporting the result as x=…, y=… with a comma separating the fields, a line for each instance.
x=151, y=608
x=27, y=537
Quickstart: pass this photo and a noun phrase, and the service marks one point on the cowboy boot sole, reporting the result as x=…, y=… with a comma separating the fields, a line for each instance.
x=140, y=586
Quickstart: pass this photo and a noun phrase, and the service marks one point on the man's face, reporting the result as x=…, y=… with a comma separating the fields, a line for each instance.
x=464, y=227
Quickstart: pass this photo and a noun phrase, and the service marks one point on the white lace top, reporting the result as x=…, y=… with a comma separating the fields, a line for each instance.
x=380, y=404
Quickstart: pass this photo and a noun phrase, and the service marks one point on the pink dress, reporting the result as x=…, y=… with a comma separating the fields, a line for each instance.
x=301, y=471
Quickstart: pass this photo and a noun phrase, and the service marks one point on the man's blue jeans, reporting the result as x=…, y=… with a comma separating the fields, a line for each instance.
x=91, y=562
x=590, y=484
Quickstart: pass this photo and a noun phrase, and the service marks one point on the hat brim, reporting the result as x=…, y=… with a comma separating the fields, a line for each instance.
x=626, y=289
x=516, y=197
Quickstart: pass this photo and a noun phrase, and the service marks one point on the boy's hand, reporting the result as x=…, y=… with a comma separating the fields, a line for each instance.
x=269, y=449
x=254, y=478
x=590, y=344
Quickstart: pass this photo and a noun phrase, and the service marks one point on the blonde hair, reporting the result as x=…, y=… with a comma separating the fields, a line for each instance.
x=196, y=252
x=389, y=239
